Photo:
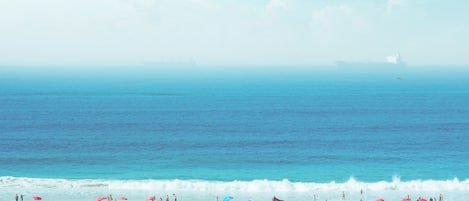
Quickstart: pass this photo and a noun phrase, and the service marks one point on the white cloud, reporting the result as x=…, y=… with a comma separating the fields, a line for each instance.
x=339, y=19
x=211, y=32
x=272, y=9
x=393, y=4
x=56, y=31
x=206, y=4
x=329, y=13
x=276, y=4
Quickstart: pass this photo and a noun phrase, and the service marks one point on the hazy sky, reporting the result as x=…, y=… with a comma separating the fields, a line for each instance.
x=232, y=32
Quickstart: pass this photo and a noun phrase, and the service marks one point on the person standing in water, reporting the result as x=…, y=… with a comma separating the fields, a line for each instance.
x=175, y=198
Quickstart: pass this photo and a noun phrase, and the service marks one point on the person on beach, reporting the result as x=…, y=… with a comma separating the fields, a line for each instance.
x=109, y=198
x=21, y=197
x=161, y=199
x=16, y=197
x=343, y=195
x=175, y=198
x=167, y=197
x=361, y=194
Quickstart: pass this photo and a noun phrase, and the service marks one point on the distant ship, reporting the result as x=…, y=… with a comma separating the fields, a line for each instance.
x=394, y=62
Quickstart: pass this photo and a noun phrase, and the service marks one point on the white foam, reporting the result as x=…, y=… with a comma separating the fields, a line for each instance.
x=195, y=190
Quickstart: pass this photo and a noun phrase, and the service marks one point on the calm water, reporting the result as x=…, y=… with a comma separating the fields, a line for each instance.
x=303, y=128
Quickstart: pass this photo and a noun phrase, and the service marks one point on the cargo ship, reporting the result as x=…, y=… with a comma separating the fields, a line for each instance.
x=392, y=63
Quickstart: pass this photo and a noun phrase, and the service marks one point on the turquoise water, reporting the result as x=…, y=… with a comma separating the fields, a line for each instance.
x=305, y=128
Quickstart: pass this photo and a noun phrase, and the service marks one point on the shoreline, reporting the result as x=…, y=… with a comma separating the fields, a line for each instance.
x=74, y=190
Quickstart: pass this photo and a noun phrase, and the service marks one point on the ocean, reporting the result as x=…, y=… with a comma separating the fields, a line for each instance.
x=297, y=136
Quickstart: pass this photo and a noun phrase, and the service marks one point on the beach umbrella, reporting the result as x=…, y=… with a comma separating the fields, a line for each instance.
x=228, y=198
x=101, y=198
x=37, y=198
x=422, y=199
x=152, y=198
x=122, y=198
x=276, y=199
x=405, y=199
x=380, y=199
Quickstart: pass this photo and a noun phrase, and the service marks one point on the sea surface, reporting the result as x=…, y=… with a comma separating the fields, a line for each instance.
x=297, y=136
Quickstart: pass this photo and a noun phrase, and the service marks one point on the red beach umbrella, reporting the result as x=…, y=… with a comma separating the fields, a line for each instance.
x=380, y=199
x=422, y=199
x=405, y=199
x=101, y=199
x=37, y=198
x=152, y=198
x=122, y=198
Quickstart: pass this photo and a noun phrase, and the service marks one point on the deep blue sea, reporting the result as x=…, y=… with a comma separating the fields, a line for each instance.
x=296, y=128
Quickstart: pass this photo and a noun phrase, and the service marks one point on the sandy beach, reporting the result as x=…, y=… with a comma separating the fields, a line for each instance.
x=262, y=190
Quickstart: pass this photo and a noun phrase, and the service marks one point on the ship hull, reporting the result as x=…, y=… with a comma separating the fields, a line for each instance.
x=370, y=66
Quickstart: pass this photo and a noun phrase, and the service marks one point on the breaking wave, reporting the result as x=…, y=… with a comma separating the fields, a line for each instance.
x=243, y=186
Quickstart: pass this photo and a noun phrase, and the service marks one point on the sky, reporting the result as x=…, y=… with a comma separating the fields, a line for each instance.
x=232, y=32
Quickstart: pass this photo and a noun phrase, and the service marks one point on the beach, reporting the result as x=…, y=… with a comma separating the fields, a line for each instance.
x=74, y=190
